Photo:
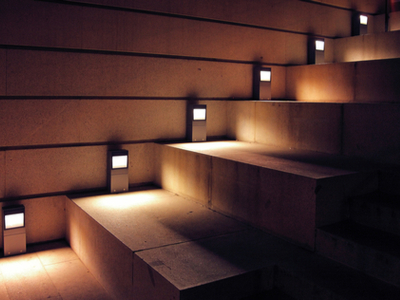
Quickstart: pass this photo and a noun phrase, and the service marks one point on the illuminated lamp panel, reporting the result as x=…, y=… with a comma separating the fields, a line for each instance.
x=14, y=221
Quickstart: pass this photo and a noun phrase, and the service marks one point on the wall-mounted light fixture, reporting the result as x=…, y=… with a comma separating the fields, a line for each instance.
x=118, y=171
x=359, y=24
x=262, y=83
x=316, y=51
x=197, y=126
x=14, y=232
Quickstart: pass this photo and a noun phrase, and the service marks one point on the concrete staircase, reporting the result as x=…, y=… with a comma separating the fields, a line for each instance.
x=369, y=241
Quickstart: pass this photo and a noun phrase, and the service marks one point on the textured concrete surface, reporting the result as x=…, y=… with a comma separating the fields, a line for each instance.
x=49, y=270
x=287, y=192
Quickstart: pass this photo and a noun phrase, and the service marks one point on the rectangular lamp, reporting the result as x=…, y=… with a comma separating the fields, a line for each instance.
x=14, y=232
x=262, y=83
x=359, y=24
x=316, y=51
x=118, y=171
x=197, y=123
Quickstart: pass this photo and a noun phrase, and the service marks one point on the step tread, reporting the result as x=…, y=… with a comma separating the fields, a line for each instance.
x=367, y=236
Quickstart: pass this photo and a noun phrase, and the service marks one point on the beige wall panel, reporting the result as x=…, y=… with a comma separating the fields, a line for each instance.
x=289, y=15
x=129, y=120
x=3, y=72
x=372, y=131
x=44, y=218
x=183, y=172
x=307, y=126
x=38, y=122
x=141, y=162
x=41, y=73
x=241, y=120
x=37, y=23
x=370, y=6
x=38, y=171
x=2, y=174
x=321, y=83
x=378, y=81
x=99, y=28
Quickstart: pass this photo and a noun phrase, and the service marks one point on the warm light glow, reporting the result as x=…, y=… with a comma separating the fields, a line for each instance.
x=265, y=75
x=363, y=20
x=319, y=45
x=125, y=200
x=199, y=114
x=120, y=162
x=14, y=220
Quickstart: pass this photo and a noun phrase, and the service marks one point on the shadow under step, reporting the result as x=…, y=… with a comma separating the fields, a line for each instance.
x=371, y=251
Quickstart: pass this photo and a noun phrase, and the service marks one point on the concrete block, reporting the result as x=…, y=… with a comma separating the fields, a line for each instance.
x=223, y=267
x=321, y=83
x=377, y=81
x=39, y=122
x=364, y=125
x=141, y=162
x=306, y=126
x=109, y=261
x=41, y=171
x=240, y=120
x=187, y=173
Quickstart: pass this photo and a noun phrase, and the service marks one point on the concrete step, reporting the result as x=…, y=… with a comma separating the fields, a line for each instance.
x=369, y=250
x=377, y=210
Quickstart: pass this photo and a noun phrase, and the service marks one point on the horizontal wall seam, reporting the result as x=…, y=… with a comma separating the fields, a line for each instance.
x=336, y=7
x=179, y=16
x=139, y=54
x=145, y=98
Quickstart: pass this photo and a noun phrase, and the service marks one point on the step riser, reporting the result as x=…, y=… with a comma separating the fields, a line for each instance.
x=370, y=261
x=376, y=216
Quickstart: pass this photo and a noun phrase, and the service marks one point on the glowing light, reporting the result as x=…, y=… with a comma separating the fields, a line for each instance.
x=319, y=45
x=120, y=162
x=14, y=221
x=363, y=20
x=265, y=75
x=126, y=200
x=199, y=114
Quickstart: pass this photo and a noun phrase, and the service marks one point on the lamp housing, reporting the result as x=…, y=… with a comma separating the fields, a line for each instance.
x=118, y=171
x=14, y=232
x=197, y=122
x=262, y=83
x=316, y=51
x=359, y=24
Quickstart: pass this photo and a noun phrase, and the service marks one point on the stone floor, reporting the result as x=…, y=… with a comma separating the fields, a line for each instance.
x=48, y=271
